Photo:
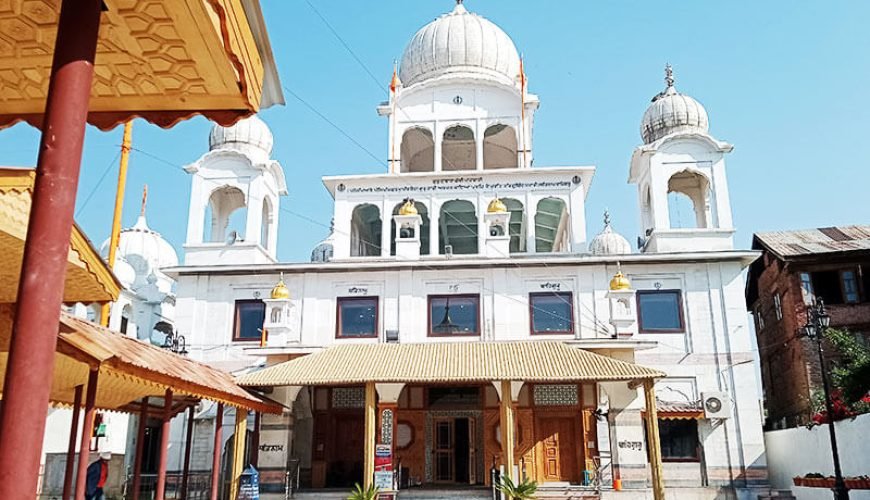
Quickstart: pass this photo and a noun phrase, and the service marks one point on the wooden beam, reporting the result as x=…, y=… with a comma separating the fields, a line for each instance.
x=370, y=424
x=238, y=451
x=507, y=429
x=71, y=451
x=216, y=452
x=163, y=462
x=140, y=447
x=87, y=430
x=654, y=443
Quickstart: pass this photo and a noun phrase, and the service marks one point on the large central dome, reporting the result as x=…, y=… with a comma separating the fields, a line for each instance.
x=460, y=44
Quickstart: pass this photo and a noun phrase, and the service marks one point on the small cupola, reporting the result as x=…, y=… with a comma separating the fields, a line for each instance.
x=279, y=325
x=623, y=309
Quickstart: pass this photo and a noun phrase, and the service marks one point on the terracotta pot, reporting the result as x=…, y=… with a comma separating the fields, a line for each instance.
x=798, y=481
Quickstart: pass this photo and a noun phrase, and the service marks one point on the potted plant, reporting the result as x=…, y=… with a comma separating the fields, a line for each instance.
x=360, y=493
x=524, y=490
x=798, y=480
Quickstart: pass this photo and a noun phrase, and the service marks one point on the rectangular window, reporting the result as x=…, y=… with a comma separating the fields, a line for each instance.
x=357, y=317
x=759, y=317
x=551, y=313
x=807, y=288
x=827, y=286
x=679, y=440
x=777, y=306
x=660, y=311
x=454, y=315
x=249, y=317
x=850, y=286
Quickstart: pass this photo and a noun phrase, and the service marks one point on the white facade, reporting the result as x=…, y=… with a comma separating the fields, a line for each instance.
x=459, y=139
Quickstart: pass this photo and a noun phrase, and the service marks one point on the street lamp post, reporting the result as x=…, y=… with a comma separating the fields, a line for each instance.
x=818, y=322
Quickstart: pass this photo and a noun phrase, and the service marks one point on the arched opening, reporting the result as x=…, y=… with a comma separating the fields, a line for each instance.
x=458, y=228
x=551, y=226
x=516, y=225
x=418, y=150
x=458, y=150
x=365, y=231
x=689, y=197
x=225, y=216
x=425, y=225
x=500, y=147
x=159, y=333
x=266, y=224
x=126, y=316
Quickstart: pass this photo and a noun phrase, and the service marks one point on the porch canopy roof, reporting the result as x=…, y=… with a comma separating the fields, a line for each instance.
x=87, y=278
x=161, y=60
x=129, y=370
x=448, y=362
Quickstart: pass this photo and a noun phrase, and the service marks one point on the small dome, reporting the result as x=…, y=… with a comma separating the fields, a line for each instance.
x=672, y=112
x=280, y=291
x=143, y=249
x=496, y=206
x=609, y=242
x=246, y=135
x=324, y=250
x=620, y=282
x=460, y=43
x=124, y=272
x=408, y=208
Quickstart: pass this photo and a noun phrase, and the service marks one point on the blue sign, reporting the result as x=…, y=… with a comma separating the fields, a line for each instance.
x=249, y=484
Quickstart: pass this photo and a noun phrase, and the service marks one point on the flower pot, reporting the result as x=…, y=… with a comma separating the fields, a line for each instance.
x=798, y=481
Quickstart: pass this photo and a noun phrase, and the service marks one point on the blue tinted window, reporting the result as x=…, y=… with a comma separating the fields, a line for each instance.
x=250, y=315
x=454, y=315
x=358, y=317
x=660, y=311
x=552, y=312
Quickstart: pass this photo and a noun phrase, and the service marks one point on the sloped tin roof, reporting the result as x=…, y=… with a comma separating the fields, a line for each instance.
x=815, y=241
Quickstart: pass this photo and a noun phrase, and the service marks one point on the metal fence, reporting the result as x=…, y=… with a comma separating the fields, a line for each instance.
x=198, y=486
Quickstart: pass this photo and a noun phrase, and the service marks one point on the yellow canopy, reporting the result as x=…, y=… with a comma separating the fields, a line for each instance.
x=161, y=60
x=448, y=362
x=87, y=277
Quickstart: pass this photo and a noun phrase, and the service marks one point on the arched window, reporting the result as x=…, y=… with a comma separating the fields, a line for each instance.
x=365, y=231
x=418, y=150
x=266, y=225
x=225, y=216
x=126, y=316
x=500, y=147
x=516, y=225
x=551, y=226
x=458, y=227
x=689, y=197
x=458, y=150
x=423, y=212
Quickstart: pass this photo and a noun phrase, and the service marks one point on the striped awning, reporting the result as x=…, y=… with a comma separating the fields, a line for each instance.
x=669, y=410
x=448, y=362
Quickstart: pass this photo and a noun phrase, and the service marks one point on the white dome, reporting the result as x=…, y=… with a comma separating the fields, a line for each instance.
x=124, y=272
x=672, y=112
x=247, y=135
x=143, y=249
x=609, y=242
x=324, y=250
x=460, y=43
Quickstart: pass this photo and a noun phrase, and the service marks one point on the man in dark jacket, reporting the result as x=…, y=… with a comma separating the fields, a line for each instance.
x=98, y=472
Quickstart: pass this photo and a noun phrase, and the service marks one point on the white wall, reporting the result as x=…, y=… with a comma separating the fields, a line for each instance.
x=798, y=451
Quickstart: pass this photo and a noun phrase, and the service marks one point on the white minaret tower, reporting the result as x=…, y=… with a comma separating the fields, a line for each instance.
x=680, y=176
x=233, y=215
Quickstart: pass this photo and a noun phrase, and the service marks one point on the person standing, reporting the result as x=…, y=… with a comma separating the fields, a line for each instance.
x=97, y=474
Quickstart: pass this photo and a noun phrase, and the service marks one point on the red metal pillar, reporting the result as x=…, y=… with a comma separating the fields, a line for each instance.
x=71, y=450
x=187, y=442
x=216, y=456
x=87, y=430
x=40, y=290
x=140, y=441
x=255, y=442
x=160, y=490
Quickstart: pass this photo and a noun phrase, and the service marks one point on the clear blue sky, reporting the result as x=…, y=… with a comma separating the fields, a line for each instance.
x=786, y=82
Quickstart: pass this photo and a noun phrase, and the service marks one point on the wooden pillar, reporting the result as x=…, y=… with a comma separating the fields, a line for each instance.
x=33, y=341
x=160, y=489
x=71, y=450
x=140, y=441
x=87, y=429
x=238, y=451
x=653, y=442
x=255, y=442
x=187, y=443
x=507, y=429
x=370, y=423
x=216, y=453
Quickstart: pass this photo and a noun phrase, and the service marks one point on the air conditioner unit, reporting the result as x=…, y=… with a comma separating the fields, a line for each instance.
x=716, y=404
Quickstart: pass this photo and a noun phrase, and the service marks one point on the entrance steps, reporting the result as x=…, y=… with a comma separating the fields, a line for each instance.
x=544, y=493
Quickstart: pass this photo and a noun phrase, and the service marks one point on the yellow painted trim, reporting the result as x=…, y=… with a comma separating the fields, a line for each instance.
x=238, y=452
x=508, y=441
x=370, y=423
x=654, y=442
x=80, y=244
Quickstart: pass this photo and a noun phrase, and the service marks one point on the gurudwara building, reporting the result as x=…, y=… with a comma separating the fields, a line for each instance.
x=464, y=315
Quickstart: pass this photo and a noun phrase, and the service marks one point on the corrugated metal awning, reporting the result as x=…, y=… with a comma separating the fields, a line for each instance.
x=448, y=362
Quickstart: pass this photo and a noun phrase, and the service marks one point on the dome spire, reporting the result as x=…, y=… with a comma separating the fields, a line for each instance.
x=144, y=200
x=606, y=218
x=669, y=75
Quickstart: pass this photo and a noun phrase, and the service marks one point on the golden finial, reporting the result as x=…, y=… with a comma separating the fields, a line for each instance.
x=408, y=208
x=280, y=291
x=619, y=281
x=496, y=206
